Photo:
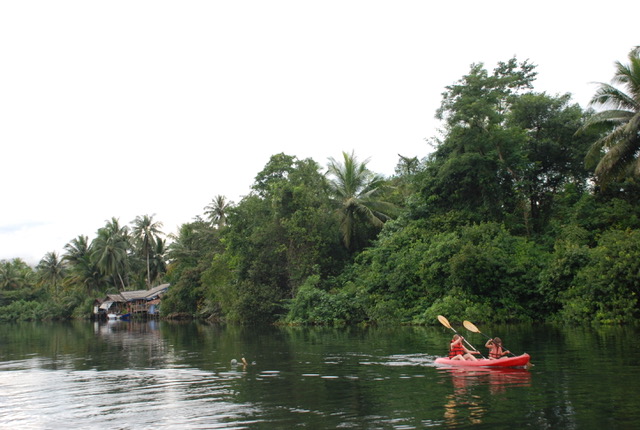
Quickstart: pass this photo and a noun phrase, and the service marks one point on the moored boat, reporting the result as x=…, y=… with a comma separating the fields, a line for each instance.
x=118, y=316
x=518, y=361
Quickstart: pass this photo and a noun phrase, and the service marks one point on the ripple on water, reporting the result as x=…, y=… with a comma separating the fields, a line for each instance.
x=187, y=398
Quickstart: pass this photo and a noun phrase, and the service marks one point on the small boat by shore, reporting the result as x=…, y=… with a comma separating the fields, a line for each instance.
x=518, y=361
x=118, y=316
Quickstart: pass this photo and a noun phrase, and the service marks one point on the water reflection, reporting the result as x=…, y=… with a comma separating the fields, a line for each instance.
x=131, y=344
x=468, y=401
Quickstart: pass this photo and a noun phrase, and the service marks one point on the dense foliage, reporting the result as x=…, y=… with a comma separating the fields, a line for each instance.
x=503, y=221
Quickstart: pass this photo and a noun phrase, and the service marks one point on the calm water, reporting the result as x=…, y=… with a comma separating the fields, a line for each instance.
x=164, y=375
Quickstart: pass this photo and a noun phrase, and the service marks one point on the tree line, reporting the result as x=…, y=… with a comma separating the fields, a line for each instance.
x=525, y=210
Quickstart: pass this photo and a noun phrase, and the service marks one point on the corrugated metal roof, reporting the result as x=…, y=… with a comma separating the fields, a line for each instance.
x=106, y=304
x=134, y=295
x=128, y=296
x=155, y=291
x=115, y=298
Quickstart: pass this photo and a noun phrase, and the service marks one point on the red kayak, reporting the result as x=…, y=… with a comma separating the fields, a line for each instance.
x=519, y=361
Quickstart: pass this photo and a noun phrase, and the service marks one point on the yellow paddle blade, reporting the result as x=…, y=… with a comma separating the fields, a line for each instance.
x=470, y=326
x=444, y=321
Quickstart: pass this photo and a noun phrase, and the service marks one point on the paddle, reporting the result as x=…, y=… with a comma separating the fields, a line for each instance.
x=471, y=327
x=445, y=322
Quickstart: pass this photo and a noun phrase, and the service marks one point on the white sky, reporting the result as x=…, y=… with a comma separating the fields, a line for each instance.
x=126, y=108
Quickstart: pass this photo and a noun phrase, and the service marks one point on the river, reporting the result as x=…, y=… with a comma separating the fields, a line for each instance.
x=163, y=375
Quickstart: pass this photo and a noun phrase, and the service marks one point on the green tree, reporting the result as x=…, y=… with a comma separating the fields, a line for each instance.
x=185, y=294
x=146, y=233
x=552, y=155
x=82, y=270
x=289, y=240
x=407, y=166
x=479, y=101
x=355, y=189
x=194, y=242
x=15, y=274
x=77, y=249
x=615, y=155
x=402, y=184
x=606, y=288
x=216, y=211
x=276, y=171
x=110, y=251
x=190, y=253
x=278, y=236
x=158, y=264
x=51, y=271
x=473, y=170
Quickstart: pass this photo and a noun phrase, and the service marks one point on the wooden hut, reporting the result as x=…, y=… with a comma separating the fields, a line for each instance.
x=139, y=302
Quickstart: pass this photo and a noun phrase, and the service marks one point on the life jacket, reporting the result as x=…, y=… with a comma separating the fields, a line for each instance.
x=456, y=350
x=496, y=353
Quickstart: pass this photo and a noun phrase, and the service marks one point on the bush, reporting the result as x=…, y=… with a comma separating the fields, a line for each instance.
x=257, y=304
x=606, y=289
x=458, y=307
x=22, y=310
x=313, y=305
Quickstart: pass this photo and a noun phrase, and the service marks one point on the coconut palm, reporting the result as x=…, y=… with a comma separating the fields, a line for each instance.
x=146, y=233
x=355, y=188
x=407, y=166
x=15, y=274
x=216, y=211
x=110, y=250
x=82, y=270
x=9, y=276
x=158, y=265
x=76, y=249
x=615, y=155
x=51, y=270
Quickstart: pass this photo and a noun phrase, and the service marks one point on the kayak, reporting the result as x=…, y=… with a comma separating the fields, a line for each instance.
x=518, y=361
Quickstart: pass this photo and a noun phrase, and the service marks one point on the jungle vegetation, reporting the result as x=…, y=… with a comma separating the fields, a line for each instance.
x=527, y=209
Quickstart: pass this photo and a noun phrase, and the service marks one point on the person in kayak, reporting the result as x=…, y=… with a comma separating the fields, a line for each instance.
x=495, y=348
x=457, y=351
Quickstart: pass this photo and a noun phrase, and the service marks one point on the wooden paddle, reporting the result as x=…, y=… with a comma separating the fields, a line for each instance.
x=445, y=322
x=471, y=327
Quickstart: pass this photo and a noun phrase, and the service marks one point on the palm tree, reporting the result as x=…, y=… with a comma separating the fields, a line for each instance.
x=146, y=233
x=15, y=274
x=407, y=166
x=355, y=189
x=76, y=249
x=621, y=143
x=110, y=250
x=216, y=211
x=191, y=243
x=9, y=276
x=158, y=264
x=82, y=270
x=51, y=270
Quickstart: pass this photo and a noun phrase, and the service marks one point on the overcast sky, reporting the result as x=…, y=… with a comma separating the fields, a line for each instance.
x=126, y=108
